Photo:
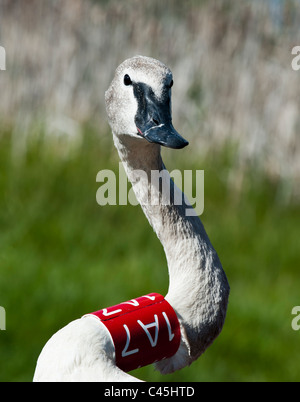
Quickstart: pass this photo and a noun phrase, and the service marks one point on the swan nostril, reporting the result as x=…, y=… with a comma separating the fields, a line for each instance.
x=155, y=121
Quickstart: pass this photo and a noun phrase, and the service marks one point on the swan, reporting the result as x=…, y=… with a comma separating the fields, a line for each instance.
x=138, y=105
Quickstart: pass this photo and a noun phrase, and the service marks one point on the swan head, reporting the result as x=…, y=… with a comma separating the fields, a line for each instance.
x=138, y=102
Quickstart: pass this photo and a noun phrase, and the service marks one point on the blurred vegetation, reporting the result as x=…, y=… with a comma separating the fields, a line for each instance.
x=62, y=255
x=231, y=62
x=235, y=98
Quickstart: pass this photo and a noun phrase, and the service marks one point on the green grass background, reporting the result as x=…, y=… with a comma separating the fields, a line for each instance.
x=62, y=255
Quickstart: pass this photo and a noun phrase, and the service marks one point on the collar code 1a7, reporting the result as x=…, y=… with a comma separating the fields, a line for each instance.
x=144, y=330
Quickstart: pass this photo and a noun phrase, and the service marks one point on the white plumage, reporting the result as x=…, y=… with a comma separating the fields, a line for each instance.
x=139, y=105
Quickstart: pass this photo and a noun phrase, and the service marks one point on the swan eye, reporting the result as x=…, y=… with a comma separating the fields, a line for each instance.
x=127, y=80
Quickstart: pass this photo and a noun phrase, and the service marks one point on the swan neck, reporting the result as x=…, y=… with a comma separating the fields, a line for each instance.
x=198, y=288
x=175, y=231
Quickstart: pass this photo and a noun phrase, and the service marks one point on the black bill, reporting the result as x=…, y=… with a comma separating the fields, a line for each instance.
x=153, y=119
